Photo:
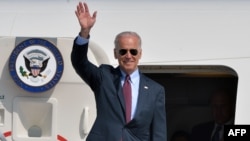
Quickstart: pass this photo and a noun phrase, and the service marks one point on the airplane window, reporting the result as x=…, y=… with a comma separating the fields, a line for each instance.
x=190, y=94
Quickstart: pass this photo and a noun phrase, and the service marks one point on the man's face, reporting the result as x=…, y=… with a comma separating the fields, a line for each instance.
x=126, y=54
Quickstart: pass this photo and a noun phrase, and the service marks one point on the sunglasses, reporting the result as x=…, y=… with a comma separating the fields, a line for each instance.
x=133, y=52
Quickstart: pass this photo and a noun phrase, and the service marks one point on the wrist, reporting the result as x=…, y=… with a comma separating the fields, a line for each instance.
x=84, y=33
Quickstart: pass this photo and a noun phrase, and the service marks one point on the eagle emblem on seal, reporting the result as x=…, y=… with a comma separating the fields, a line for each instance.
x=36, y=62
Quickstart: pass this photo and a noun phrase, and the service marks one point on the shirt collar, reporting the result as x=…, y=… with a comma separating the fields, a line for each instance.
x=133, y=76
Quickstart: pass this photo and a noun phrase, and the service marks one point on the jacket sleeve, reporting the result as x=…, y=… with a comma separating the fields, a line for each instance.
x=159, y=125
x=83, y=67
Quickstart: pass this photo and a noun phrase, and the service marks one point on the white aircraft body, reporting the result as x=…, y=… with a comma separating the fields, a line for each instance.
x=190, y=46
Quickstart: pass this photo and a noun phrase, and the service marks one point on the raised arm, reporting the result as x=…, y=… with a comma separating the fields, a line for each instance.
x=86, y=21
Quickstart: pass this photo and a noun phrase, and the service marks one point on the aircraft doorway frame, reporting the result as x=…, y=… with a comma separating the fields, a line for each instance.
x=188, y=91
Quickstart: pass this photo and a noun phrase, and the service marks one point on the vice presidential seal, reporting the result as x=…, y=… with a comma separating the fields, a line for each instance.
x=36, y=65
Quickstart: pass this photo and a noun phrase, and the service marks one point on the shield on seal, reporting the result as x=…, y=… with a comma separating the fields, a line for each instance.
x=36, y=61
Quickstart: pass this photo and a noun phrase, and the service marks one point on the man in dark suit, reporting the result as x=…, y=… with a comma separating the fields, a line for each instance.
x=222, y=106
x=140, y=117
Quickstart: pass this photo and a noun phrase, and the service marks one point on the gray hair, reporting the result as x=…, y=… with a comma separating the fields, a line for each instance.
x=126, y=33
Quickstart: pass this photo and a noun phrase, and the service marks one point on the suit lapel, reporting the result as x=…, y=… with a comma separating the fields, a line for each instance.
x=117, y=82
x=143, y=94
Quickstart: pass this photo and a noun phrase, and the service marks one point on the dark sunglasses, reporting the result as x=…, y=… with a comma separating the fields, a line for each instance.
x=133, y=52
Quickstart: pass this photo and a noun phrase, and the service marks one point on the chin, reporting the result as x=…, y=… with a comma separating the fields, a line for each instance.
x=129, y=70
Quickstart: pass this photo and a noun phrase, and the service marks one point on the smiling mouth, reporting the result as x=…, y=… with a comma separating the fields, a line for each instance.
x=128, y=62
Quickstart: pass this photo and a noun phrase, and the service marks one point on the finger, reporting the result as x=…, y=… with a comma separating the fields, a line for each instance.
x=77, y=14
x=86, y=8
x=80, y=8
x=94, y=15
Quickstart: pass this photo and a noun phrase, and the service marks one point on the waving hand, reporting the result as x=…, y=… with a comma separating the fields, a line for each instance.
x=85, y=19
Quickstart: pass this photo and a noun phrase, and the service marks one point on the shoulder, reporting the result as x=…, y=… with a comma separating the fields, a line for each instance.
x=105, y=68
x=150, y=81
x=206, y=125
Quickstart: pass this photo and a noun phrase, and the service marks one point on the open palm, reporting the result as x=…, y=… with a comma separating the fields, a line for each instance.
x=85, y=19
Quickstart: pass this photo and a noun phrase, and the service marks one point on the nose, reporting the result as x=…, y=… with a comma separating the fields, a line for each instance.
x=128, y=54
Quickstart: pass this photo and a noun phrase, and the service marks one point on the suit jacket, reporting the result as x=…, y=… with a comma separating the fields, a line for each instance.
x=202, y=132
x=149, y=122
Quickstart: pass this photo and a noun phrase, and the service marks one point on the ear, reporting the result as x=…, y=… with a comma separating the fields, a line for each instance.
x=115, y=54
x=140, y=53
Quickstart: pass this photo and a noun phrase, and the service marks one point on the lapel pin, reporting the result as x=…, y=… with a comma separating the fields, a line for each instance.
x=145, y=87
